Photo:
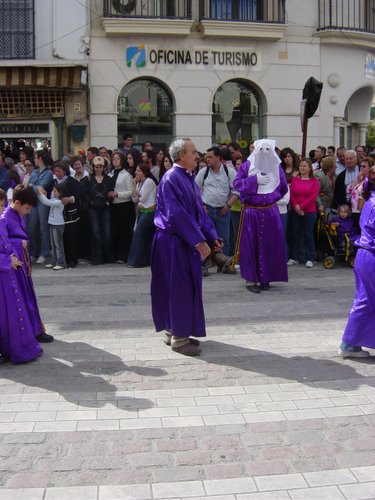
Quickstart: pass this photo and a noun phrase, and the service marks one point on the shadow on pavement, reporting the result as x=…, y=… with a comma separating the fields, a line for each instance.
x=78, y=371
x=303, y=369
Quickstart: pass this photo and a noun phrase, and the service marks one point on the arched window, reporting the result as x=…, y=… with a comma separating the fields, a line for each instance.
x=145, y=109
x=235, y=114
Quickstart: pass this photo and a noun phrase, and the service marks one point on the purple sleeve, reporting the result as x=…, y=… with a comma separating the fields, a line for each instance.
x=244, y=184
x=5, y=262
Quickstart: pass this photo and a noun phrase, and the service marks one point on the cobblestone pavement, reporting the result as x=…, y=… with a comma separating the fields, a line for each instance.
x=269, y=411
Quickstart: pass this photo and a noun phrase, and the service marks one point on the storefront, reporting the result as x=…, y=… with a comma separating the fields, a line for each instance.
x=218, y=83
x=41, y=107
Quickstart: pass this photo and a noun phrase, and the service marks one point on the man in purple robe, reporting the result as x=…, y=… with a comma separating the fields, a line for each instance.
x=24, y=198
x=261, y=183
x=360, y=329
x=184, y=237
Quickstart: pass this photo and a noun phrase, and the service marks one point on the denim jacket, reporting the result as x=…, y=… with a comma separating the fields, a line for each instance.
x=44, y=179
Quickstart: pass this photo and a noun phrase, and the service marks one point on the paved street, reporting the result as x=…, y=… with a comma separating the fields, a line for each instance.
x=269, y=411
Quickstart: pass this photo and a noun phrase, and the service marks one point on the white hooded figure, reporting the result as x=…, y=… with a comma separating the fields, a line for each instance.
x=264, y=163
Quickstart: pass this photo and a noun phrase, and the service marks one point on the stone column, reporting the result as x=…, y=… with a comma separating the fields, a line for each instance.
x=362, y=133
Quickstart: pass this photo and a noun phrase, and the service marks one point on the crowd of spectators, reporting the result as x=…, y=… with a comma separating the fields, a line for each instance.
x=99, y=207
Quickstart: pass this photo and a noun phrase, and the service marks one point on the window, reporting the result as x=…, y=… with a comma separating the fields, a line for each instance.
x=238, y=10
x=145, y=109
x=235, y=114
x=17, y=29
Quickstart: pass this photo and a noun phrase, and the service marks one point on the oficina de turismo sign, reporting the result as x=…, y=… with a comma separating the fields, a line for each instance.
x=137, y=56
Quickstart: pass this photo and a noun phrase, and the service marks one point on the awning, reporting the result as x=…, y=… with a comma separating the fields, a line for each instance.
x=30, y=76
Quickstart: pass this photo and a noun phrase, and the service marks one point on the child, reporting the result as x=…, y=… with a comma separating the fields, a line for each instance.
x=345, y=223
x=17, y=336
x=56, y=224
x=24, y=199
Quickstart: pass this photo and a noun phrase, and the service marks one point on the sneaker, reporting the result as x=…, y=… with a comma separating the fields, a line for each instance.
x=49, y=266
x=352, y=351
x=40, y=260
x=58, y=268
x=291, y=262
x=120, y=262
x=309, y=264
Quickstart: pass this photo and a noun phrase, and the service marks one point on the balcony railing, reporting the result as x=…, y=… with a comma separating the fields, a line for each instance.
x=257, y=11
x=351, y=15
x=164, y=9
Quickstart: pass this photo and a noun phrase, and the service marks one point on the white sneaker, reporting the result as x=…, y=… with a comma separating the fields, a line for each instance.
x=291, y=262
x=41, y=259
x=309, y=264
x=49, y=266
x=58, y=268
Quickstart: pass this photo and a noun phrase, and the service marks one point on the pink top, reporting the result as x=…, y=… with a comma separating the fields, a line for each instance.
x=304, y=192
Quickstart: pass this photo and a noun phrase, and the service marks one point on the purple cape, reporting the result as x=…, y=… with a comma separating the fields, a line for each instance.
x=262, y=244
x=360, y=329
x=346, y=226
x=17, y=337
x=16, y=229
x=176, y=284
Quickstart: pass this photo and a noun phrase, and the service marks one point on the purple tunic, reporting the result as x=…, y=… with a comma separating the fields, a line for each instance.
x=360, y=329
x=346, y=226
x=16, y=229
x=17, y=337
x=262, y=245
x=176, y=284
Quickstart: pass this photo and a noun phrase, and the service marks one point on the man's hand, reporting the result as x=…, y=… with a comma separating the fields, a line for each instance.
x=16, y=263
x=204, y=250
x=218, y=245
x=224, y=210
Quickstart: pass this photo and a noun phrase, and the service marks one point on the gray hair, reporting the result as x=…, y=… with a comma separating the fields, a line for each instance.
x=177, y=147
x=351, y=151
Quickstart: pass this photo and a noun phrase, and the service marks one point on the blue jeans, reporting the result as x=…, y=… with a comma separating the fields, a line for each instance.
x=101, y=243
x=38, y=218
x=303, y=225
x=140, y=249
x=222, y=225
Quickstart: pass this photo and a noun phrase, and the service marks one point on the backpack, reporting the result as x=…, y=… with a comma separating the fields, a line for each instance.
x=208, y=171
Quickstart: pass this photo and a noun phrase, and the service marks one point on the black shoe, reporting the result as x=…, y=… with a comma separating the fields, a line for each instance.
x=193, y=341
x=3, y=359
x=44, y=338
x=253, y=288
x=266, y=286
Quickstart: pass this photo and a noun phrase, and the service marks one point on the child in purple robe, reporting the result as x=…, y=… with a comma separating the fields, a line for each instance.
x=24, y=199
x=17, y=337
x=360, y=329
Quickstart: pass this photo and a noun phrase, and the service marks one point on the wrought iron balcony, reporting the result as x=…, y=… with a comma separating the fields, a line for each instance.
x=255, y=11
x=162, y=9
x=347, y=15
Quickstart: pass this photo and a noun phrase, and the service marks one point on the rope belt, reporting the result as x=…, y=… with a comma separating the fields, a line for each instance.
x=260, y=208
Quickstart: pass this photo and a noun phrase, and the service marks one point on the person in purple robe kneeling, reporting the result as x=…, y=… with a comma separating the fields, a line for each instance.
x=261, y=183
x=17, y=338
x=360, y=329
x=24, y=199
x=184, y=237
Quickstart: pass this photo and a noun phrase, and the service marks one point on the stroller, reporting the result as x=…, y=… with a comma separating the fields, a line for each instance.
x=331, y=247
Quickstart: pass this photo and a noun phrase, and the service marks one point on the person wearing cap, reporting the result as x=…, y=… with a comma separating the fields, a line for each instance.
x=261, y=183
x=97, y=196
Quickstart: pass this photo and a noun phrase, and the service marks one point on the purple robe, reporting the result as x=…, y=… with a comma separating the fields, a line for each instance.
x=176, y=284
x=17, y=337
x=346, y=226
x=262, y=245
x=16, y=229
x=360, y=329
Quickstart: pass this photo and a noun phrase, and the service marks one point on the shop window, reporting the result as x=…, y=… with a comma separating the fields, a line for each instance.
x=236, y=115
x=145, y=109
x=17, y=29
x=234, y=10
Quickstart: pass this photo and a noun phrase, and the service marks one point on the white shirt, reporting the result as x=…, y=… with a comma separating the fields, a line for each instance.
x=146, y=193
x=55, y=217
x=217, y=187
x=123, y=186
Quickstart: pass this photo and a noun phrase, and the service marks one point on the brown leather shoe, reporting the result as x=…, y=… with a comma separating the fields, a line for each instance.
x=188, y=349
x=193, y=341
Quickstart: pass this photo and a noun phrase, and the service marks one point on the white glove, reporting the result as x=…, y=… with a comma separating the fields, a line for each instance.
x=262, y=179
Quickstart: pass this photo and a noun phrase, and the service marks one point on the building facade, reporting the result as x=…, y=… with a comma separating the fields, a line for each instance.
x=43, y=74
x=230, y=70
